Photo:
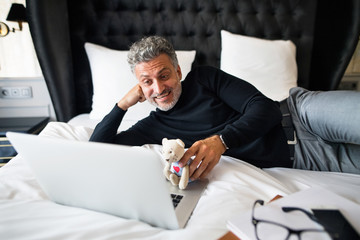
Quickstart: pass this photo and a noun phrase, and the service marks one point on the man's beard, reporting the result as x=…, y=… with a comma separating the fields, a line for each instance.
x=167, y=106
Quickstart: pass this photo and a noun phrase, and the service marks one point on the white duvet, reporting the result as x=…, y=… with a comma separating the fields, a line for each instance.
x=27, y=213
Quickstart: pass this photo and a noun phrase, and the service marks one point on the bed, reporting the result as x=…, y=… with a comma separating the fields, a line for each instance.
x=81, y=43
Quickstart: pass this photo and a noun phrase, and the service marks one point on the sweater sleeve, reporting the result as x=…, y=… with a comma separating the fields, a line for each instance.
x=257, y=114
x=106, y=130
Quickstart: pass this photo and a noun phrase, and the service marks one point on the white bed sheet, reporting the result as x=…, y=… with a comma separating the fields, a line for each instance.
x=131, y=117
x=85, y=120
x=27, y=213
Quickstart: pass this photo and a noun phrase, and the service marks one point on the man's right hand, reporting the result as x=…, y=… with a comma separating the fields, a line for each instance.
x=134, y=96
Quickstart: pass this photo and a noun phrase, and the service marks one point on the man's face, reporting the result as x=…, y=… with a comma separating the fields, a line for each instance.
x=160, y=81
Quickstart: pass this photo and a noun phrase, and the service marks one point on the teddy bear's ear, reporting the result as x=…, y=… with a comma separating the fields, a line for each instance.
x=181, y=143
x=164, y=140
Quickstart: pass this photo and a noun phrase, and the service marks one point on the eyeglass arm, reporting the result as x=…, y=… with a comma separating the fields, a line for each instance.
x=309, y=214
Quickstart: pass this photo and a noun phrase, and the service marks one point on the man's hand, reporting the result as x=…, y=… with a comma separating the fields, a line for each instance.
x=134, y=96
x=207, y=154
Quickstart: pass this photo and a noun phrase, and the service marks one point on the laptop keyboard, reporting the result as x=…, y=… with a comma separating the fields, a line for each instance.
x=176, y=199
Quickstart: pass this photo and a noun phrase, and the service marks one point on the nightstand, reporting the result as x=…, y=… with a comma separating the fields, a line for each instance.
x=31, y=125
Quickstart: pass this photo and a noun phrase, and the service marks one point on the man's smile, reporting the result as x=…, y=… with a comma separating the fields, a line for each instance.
x=163, y=95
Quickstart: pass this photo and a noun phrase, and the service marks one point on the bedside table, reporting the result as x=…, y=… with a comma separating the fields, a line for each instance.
x=31, y=125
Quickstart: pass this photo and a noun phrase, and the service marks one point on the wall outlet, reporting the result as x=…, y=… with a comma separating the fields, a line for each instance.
x=348, y=85
x=15, y=92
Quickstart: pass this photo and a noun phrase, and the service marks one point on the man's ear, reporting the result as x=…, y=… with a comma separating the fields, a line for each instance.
x=178, y=72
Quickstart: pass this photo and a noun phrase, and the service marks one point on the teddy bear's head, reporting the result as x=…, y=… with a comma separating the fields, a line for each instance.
x=173, y=149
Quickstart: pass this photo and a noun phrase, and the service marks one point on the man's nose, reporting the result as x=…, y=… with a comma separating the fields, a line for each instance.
x=158, y=87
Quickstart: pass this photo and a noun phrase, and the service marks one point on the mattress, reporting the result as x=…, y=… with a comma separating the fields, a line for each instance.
x=27, y=213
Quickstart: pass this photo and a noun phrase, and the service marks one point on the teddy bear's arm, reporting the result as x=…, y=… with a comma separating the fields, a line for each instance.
x=167, y=171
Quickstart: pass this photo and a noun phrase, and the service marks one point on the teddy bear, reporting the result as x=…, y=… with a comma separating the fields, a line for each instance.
x=172, y=151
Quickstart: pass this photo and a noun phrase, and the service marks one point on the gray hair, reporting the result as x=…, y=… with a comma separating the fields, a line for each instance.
x=148, y=48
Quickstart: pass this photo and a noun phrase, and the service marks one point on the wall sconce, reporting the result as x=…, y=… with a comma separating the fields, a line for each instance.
x=17, y=13
x=4, y=29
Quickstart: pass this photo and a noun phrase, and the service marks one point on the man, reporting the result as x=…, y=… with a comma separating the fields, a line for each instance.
x=213, y=112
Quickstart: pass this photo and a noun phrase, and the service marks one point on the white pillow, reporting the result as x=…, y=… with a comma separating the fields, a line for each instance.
x=269, y=65
x=112, y=79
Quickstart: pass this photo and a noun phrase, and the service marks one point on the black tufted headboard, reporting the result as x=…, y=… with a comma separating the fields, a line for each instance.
x=324, y=31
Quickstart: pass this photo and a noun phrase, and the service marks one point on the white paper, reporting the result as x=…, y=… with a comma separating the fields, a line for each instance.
x=312, y=198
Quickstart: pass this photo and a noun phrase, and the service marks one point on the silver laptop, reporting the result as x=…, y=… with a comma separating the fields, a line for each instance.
x=119, y=180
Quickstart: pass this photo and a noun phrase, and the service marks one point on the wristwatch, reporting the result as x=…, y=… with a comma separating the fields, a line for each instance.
x=222, y=140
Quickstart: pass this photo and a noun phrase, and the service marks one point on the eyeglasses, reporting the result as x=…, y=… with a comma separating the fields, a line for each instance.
x=267, y=230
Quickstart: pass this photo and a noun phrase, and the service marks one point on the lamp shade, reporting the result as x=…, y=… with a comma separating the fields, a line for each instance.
x=17, y=13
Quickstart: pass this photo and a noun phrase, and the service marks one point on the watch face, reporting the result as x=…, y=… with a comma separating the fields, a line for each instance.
x=4, y=29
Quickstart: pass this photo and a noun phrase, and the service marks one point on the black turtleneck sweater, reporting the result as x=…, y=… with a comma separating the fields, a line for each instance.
x=212, y=102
